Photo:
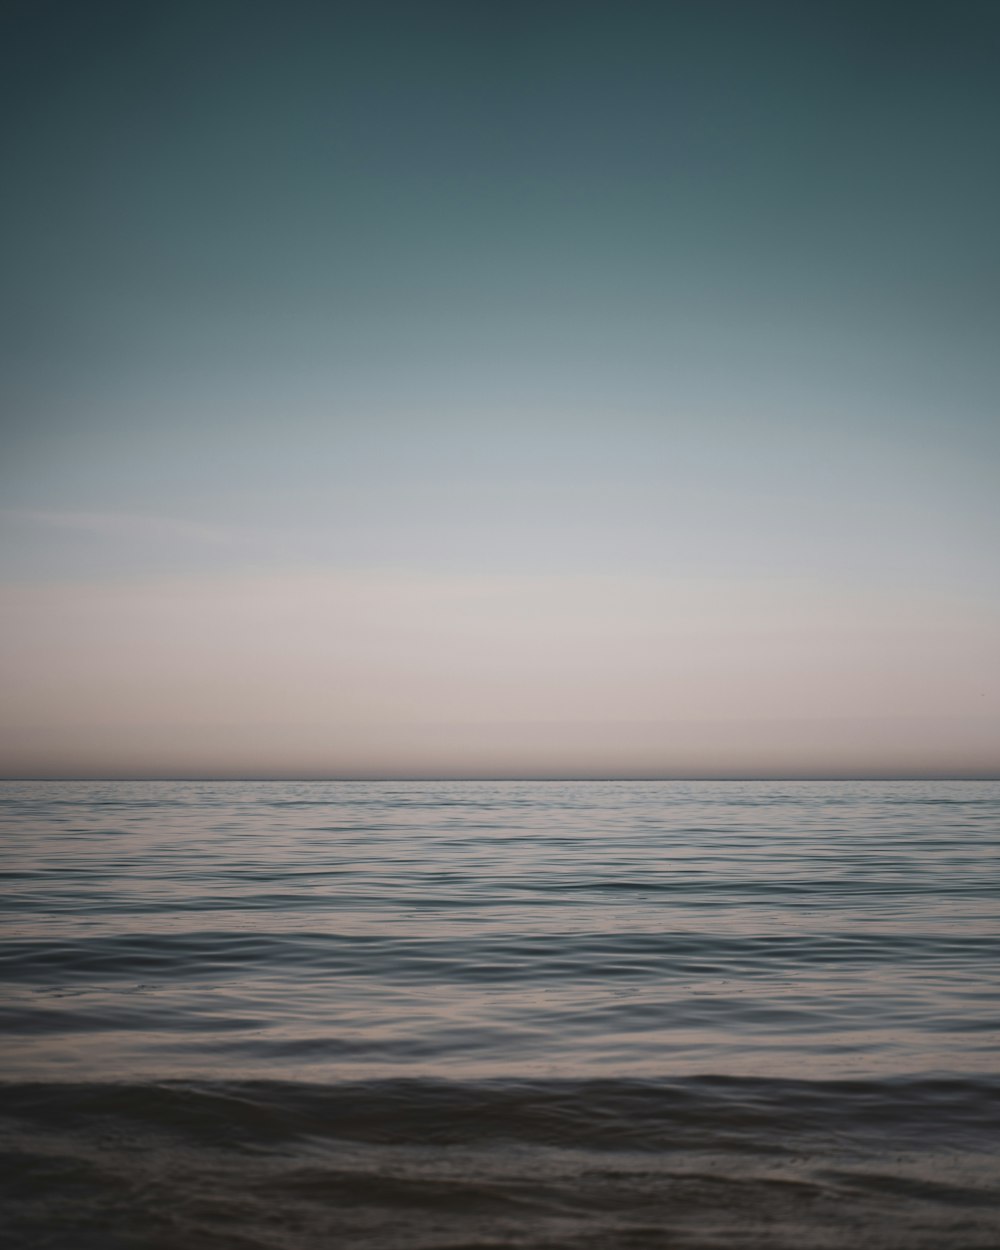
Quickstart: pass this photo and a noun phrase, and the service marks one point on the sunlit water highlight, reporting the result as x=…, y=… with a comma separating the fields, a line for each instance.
x=456, y=1014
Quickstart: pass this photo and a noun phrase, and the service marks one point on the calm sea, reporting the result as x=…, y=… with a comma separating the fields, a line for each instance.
x=274, y=1016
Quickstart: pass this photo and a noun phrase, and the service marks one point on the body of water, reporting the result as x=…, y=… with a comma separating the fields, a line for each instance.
x=593, y=1014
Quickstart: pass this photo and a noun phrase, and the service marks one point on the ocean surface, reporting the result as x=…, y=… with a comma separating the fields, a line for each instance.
x=285, y=1016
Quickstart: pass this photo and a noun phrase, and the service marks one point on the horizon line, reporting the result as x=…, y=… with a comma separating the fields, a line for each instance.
x=356, y=779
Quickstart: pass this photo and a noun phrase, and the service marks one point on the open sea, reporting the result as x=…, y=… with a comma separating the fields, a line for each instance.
x=472, y=1015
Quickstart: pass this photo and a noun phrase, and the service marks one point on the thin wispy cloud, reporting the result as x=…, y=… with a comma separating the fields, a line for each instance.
x=127, y=525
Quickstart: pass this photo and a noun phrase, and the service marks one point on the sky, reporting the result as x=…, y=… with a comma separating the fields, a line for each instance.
x=501, y=390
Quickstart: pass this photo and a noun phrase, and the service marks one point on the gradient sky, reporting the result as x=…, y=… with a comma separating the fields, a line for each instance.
x=500, y=389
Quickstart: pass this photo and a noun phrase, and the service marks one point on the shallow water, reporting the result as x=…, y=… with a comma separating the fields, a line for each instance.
x=429, y=1014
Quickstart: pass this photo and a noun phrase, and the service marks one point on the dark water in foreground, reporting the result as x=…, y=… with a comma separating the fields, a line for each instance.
x=467, y=1015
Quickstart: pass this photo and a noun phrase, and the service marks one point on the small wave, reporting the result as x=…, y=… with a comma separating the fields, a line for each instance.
x=514, y=957
x=704, y=1164
x=609, y=1114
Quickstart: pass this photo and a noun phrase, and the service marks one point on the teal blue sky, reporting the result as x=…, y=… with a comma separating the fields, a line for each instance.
x=378, y=311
